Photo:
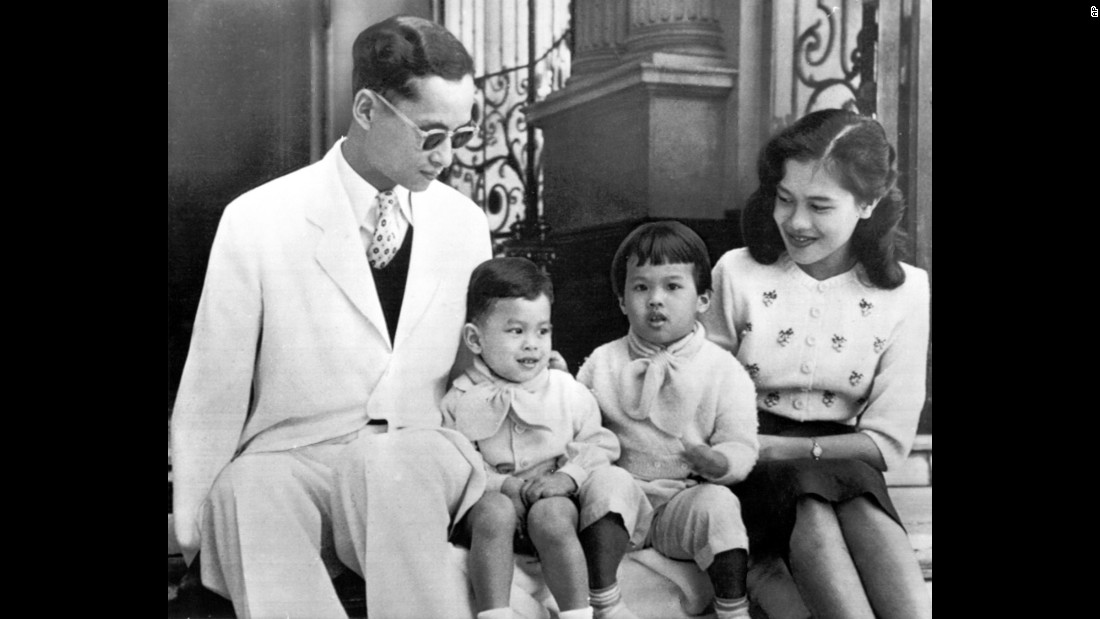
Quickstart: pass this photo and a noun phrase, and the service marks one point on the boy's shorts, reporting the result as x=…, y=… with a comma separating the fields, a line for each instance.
x=697, y=524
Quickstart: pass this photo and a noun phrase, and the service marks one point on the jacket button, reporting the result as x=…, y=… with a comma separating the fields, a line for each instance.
x=815, y=311
x=806, y=369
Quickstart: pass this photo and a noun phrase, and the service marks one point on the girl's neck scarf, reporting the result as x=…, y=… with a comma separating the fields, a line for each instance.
x=658, y=384
x=488, y=398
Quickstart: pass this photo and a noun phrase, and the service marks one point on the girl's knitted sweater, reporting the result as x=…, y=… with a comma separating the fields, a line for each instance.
x=697, y=393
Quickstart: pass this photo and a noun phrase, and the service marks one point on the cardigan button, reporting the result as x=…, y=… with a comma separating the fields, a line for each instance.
x=821, y=287
x=799, y=403
x=518, y=429
x=806, y=369
x=811, y=340
x=815, y=311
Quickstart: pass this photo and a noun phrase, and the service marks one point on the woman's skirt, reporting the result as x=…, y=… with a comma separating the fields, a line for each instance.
x=770, y=494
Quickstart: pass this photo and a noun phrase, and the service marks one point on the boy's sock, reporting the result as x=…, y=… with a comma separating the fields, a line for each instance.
x=607, y=603
x=735, y=608
x=576, y=613
x=496, y=613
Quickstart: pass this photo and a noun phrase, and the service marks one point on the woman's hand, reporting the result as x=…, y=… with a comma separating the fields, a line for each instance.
x=857, y=446
x=784, y=447
x=705, y=460
x=554, y=484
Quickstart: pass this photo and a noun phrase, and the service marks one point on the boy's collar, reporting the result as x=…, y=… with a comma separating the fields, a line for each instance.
x=640, y=344
x=480, y=372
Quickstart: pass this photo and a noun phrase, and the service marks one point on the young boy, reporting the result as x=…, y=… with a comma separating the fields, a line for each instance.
x=539, y=433
x=684, y=411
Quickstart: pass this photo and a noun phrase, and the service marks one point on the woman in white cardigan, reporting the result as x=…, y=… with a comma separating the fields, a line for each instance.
x=834, y=331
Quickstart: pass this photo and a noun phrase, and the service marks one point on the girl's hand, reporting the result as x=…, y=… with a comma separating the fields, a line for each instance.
x=554, y=484
x=705, y=461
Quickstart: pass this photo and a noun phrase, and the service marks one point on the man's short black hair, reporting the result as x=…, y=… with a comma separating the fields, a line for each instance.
x=388, y=54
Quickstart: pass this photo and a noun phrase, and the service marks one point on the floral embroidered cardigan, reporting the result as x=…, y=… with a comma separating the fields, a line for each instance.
x=837, y=350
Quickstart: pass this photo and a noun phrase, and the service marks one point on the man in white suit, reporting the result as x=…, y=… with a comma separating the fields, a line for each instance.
x=314, y=373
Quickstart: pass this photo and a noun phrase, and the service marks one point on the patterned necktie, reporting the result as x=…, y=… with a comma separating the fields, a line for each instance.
x=383, y=244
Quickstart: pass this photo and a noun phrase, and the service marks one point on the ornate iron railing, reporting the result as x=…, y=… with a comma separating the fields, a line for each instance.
x=500, y=169
x=831, y=67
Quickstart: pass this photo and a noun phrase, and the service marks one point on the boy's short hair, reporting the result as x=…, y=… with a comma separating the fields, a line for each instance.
x=504, y=278
x=662, y=242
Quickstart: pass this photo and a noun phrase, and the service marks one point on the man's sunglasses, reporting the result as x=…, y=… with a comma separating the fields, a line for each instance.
x=431, y=139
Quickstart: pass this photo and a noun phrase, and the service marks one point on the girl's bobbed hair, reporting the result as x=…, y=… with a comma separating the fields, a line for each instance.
x=856, y=151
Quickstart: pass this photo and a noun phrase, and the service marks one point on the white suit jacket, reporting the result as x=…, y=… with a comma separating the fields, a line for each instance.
x=290, y=346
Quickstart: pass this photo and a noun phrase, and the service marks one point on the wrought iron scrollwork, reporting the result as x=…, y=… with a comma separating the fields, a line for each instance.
x=857, y=68
x=500, y=168
x=491, y=169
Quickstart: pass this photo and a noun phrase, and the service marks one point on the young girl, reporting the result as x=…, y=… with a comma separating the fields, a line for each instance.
x=834, y=331
x=539, y=432
x=683, y=409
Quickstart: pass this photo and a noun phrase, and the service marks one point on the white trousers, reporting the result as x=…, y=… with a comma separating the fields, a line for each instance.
x=277, y=526
x=697, y=524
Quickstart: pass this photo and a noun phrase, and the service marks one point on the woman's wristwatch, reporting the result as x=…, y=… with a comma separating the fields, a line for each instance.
x=816, y=449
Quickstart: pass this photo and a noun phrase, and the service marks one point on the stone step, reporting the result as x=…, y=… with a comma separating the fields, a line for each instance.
x=914, y=505
x=917, y=468
x=910, y=488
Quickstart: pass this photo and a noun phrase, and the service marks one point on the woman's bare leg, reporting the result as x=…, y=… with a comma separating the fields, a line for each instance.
x=885, y=560
x=822, y=568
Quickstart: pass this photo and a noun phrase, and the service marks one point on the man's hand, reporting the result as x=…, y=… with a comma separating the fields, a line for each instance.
x=554, y=484
x=186, y=531
x=705, y=461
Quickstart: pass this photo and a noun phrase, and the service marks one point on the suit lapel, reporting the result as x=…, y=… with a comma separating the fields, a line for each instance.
x=340, y=251
x=427, y=254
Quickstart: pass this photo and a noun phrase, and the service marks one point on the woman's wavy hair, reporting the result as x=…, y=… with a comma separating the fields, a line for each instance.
x=387, y=54
x=855, y=150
